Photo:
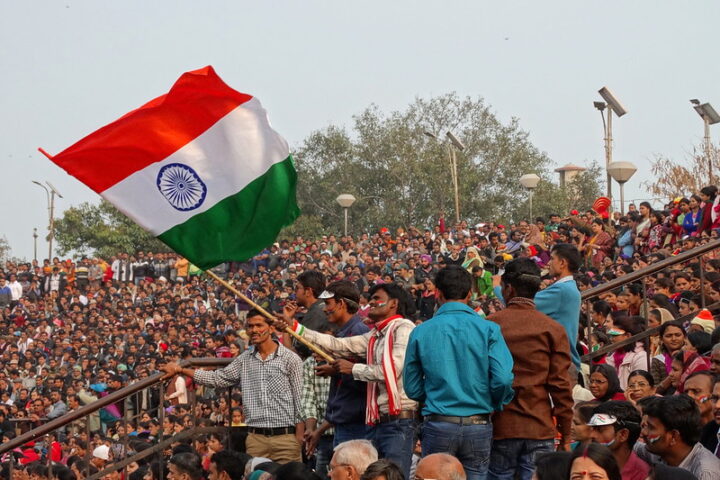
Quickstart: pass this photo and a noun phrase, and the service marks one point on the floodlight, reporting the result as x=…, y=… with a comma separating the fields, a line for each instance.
x=612, y=102
x=707, y=111
x=695, y=101
x=458, y=144
x=53, y=189
x=600, y=105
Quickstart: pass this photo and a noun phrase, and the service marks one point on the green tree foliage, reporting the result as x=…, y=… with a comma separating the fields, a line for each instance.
x=4, y=249
x=101, y=230
x=401, y=177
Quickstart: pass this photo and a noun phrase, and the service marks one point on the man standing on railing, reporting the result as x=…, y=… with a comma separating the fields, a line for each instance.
x=270, y=378
x=561, y=300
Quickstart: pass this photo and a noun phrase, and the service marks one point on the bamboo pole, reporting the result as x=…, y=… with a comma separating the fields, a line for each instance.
x=267, y=314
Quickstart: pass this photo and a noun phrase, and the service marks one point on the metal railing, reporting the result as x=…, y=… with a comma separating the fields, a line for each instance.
x=641, y=276
x=120, y=396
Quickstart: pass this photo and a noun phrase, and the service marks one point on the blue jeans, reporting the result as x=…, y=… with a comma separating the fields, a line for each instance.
x=395, y=441
x=350, y=431
x=469, y=443
x=323, y=454
x=515, y=457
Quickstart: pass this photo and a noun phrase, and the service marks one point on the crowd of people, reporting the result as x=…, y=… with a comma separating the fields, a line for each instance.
x=451, y=352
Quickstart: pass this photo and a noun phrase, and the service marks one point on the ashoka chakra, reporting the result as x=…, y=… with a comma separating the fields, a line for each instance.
x=181, y=186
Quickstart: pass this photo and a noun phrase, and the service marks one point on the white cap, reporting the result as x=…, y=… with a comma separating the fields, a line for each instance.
x=102, y=452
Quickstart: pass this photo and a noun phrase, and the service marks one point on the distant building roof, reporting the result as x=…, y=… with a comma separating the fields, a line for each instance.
x=570, y=168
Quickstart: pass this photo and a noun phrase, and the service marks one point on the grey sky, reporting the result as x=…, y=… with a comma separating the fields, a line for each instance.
x=72, y=66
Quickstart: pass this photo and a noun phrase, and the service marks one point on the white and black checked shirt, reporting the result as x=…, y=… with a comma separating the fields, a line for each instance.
x=271, y=388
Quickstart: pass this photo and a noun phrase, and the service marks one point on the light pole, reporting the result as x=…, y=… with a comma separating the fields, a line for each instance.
x=621, y=172
x=530, y=181
x=710, y=117
x=613, y=105
x=345, y=200
x=51, y=192
x=35, y=236
x=454, y=141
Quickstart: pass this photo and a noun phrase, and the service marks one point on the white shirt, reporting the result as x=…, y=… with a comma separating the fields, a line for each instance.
x=15, y=290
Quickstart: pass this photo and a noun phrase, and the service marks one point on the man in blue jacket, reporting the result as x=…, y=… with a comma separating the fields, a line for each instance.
x=561, y=300
x=458, y=364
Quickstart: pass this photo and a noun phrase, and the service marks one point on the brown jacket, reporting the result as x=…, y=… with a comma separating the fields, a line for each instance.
x=539, y=346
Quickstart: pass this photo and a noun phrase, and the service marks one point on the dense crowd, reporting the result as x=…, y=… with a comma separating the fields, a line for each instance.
x=73, y=331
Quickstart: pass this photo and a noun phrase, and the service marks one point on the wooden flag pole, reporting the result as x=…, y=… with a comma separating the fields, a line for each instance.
x=267, y=314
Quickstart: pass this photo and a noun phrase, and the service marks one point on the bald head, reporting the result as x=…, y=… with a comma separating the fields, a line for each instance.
x=440, y=466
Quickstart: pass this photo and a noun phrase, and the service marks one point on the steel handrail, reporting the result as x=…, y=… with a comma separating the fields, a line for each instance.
x=638, y=275
x=650, y=269
x=109, y=399
x=639, y=337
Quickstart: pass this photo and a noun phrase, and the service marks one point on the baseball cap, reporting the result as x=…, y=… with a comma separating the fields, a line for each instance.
x=601, y=419
x=102, y=452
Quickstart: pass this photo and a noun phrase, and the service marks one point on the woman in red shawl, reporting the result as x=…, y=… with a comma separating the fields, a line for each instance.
x=599, y=246
x=710, y=217
x=684, y=364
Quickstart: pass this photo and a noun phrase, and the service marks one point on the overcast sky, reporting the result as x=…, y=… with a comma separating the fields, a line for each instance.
x=72, y=66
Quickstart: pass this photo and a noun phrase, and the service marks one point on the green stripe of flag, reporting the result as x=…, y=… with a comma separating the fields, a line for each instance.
x=241, y=225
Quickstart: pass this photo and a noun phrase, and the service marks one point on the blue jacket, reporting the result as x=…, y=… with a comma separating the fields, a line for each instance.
x=626, y=244
x=458, y=364
x=561, y=302
x=347, y=396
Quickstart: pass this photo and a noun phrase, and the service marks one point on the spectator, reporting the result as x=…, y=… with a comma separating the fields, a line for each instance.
x=671, y=430
x=616, y=425
x=391, y=413
x=458, y=399
x=351, y=459
x=593, y=461
x=273, y=426
x=183, y=465
x=543, y=391
x=561, y=300
x=440, y=466
x=382, y=470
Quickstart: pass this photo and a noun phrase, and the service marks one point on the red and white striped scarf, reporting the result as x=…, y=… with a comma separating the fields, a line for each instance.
x=372, y=413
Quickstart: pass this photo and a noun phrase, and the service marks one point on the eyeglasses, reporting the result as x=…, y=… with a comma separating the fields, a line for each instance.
x=595, y=381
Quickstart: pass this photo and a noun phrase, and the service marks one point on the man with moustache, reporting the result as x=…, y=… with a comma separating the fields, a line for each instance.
x=270, y=377
x=391, y=415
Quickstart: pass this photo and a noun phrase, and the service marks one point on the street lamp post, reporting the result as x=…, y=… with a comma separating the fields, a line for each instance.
x=621, y=172
x=530, y=181
x=345, y=200
x=35, y=236
x=454, y=141
x=710, y=117
x=613, y=105
x=51, y=192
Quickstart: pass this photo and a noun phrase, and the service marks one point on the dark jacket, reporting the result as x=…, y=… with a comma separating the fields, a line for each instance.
x=347, y=397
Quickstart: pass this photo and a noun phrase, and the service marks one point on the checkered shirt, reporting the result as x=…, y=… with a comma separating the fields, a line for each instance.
x=315, y=394
x=271, y=388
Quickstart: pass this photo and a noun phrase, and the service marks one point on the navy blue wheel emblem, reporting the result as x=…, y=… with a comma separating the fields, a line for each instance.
x=181, y=186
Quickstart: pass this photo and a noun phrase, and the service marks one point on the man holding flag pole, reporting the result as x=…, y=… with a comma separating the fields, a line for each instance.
x=202, y=169
x=390, y=414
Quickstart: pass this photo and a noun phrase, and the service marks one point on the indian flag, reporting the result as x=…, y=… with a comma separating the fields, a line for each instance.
x=199, y=167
